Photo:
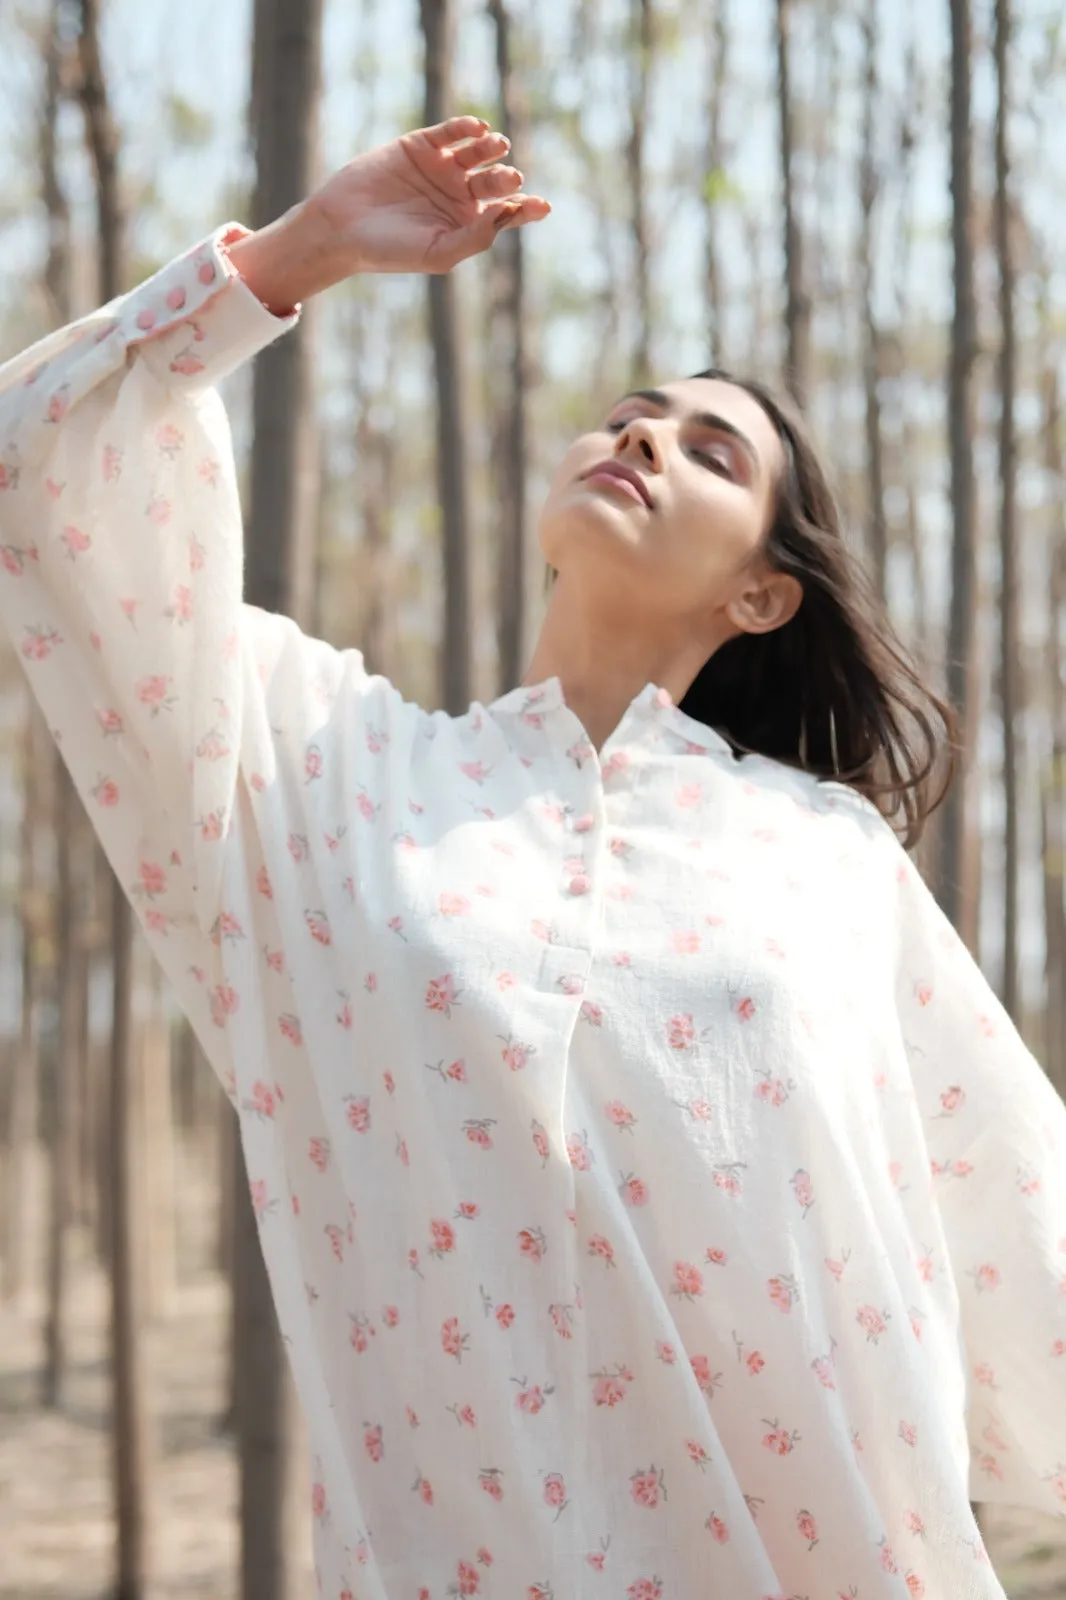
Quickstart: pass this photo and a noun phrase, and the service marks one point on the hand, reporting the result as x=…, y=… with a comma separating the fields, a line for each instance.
x=422, y=203
x=426, y=201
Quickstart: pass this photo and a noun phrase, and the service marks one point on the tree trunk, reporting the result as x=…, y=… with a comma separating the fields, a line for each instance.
x=157, y=1124
x=715, y=179
x=797, y=304
x=286, y=71
x=641, y=47
x=131, y=1453
x=286, y=90
x=872, y=361
x=453, y=486
x=63, y=1146
x=1053, y=789
x=376, y=454
x=88, y=1096
x=23, y=1106
x=57, y=271
x=1009, y=665
x=958, y=810
x=231, y=1174
x=599, y=182
x=508, y=370
x=63, y=1141
x=130, y=1388
x=101, y=132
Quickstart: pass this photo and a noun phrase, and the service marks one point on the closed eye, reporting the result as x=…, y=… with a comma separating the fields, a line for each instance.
x=723, y=464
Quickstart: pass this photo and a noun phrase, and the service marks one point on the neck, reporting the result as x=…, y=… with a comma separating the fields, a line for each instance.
x=603, y=660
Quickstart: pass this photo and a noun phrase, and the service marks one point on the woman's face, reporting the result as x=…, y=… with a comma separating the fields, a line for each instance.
x=675, y=521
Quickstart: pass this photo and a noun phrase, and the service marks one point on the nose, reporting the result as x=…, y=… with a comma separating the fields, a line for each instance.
x=638, y=438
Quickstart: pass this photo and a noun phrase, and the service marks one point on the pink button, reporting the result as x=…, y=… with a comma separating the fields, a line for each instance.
x=585, y=824
x=580, y=884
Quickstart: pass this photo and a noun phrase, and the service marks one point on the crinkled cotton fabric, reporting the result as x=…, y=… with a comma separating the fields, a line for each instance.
x=657, y=1201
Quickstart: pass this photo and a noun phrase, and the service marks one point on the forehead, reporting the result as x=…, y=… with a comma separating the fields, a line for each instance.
x=732, y=404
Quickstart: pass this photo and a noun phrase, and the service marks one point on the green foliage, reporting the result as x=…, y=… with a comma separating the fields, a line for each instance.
x=719, y=187
x=189, y=127
x=670, y=39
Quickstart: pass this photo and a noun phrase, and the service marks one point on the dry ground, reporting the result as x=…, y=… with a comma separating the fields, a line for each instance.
x=55, y=1527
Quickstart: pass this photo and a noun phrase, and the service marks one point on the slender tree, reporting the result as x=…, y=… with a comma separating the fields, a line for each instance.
x=640, y=57
x=23, y=1094
x=957, y=821
x=1009, y=674
x=57, y=269
x=508, y=343
x=63, y=1140
x=285, y=97
x=453, y=484
x=1053, y=788
x=157, y=1123
x=600, y=185
x=130, y=1449
x=797, y=301
x=376, y=449
x=905, y=370
x=869, y=186
x=286, y=92
x=22, y=1103
x=715, y=179
x=62, y=1146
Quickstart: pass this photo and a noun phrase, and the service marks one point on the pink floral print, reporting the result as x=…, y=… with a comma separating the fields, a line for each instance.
x=635, y=1148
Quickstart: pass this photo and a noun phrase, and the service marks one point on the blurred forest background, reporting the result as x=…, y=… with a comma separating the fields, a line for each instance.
x=863, y=200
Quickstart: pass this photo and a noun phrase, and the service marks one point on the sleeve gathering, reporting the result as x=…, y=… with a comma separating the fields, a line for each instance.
x=995, y=1128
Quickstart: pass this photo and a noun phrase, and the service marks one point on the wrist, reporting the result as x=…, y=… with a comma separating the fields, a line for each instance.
x=290, y=259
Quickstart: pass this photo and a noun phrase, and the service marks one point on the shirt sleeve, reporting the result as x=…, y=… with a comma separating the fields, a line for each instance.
x=121, y=568
x=995, y=1128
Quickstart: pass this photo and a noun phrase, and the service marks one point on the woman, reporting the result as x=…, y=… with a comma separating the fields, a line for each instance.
x=657, y=1201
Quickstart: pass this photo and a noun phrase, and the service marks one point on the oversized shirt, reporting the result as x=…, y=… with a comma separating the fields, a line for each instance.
x=657, y=1201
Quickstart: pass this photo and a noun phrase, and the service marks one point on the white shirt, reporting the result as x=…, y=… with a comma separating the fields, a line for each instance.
x=657, y=1201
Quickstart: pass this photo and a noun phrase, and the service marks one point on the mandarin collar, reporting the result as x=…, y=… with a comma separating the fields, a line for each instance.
x=653, y=705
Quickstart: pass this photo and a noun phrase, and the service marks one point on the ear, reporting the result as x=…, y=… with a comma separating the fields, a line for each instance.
x=767, y=604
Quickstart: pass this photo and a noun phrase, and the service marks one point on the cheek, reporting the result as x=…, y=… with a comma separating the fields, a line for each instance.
x=581, y=455
x=557, y=507
x=713, y=530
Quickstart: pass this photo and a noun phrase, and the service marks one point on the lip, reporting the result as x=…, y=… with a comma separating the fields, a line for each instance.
x=618, y=469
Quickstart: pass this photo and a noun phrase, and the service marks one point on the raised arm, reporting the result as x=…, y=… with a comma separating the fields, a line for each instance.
x=120, y=526
x=120, y=543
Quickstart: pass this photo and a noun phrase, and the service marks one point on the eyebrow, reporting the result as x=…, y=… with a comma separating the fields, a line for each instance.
x=705, y=419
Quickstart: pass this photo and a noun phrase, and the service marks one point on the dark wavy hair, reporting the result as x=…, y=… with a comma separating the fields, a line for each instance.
x=833, y=691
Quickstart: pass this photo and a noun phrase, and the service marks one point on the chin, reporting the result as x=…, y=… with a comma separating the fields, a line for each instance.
x=590, y=527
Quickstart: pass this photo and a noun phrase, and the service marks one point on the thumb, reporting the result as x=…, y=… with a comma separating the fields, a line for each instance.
x=478, y=235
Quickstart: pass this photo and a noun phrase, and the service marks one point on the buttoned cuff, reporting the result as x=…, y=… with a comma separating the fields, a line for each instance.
x=196, y=320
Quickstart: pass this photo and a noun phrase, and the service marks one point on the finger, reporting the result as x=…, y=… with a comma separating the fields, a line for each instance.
x=489, y=147
x=519, y=210
x=493, y=182
x=454, y=129
x=479, y=234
